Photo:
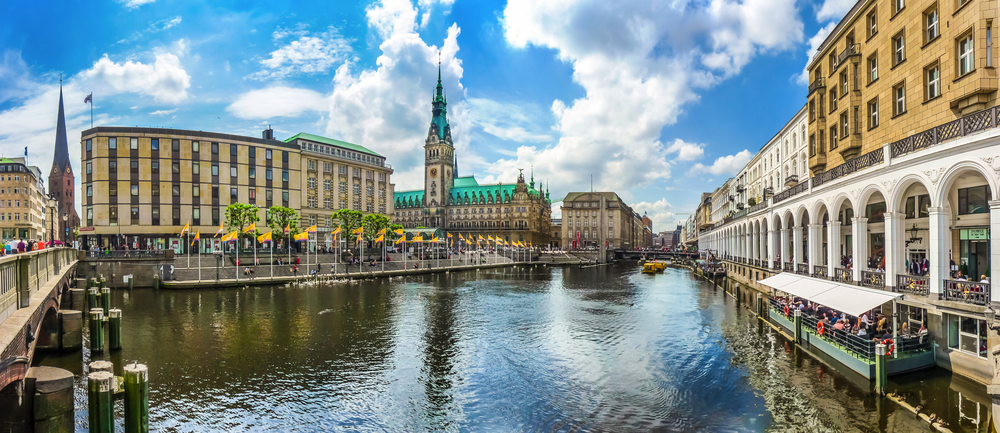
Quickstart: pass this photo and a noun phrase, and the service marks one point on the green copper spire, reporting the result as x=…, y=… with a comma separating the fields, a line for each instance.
x=439, y=122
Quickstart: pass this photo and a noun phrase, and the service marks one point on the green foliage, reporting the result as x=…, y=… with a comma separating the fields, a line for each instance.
x=278, y=218
x=752, y=201
x=373, y=223
x=239, y=216
x=347, y=220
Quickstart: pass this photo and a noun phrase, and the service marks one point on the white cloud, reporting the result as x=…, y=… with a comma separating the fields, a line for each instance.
x=834, y=9
x=277, y=101
x=724, y=165
x=165, y=80
x=133, y=4
x=686, y=151
x=814, y=43
x=163, y=112
x=639, y=62
x=658, y=211
x=155, y=27
x=507, y=121
x=309, y=54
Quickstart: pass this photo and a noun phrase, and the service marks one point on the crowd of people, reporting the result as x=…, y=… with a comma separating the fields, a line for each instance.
x=21, y=246
x=872, y=326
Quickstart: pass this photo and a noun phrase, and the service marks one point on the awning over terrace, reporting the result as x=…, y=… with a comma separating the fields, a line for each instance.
x=852, y=300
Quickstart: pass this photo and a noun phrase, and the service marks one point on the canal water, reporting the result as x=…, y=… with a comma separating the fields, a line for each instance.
x=507, y=350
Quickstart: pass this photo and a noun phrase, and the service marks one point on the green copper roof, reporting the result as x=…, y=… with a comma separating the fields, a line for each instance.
x=330, y=141
x=408, y=196
x=461, y=182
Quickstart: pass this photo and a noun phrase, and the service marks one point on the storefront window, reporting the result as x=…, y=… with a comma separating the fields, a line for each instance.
x=973, y=200
x=875, y=212
x=967, y=335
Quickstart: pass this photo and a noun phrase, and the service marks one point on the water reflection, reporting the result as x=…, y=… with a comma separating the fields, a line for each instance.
x=595, y=349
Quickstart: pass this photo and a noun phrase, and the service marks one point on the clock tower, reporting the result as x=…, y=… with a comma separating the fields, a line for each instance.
x=439, y=154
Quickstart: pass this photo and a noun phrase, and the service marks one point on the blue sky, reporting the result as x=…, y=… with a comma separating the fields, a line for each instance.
x=658, y=100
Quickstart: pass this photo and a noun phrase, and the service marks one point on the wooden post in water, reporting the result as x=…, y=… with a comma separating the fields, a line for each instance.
x=114, y=329
x=96, y=330
x=105, y=299
x=798, y=325
x=92, y=298
x=136, y=398
x=96, y=366
x=100, y=406
x=880, y=373
x=760, y=306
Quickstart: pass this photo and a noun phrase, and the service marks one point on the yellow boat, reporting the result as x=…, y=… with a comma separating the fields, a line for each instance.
x=653, y=267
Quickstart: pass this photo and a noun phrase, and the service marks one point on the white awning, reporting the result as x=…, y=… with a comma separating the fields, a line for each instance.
x=850, y=299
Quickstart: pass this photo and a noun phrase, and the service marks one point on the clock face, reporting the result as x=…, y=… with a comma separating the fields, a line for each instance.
x=434, y=172
x=67, y=170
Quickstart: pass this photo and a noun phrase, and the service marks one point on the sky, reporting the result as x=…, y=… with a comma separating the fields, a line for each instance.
x=655, y=100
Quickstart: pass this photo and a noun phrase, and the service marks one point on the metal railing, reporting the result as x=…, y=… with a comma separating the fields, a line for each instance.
x=874, y=280
x=820, y=271
x=912, y=284
x=861, y=162
x=792, y=179
x=853, y=50
x=969, y=292
x=126, y=254
x=788, y=193
x=843, y=275
x=816, y=84
x=965, y=125
x=802, y=269
x=757, y=207
x=788, y=267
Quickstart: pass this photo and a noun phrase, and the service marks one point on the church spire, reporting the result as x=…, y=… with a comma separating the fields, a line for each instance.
x=439, y=121
x=61, y=159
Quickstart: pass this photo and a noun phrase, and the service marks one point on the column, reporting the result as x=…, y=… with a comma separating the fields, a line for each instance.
x=833, y=247
x=797, y=243
x=939, y=246
x=994, y=247
x=860, y=234
x=815, y=247
x=894, y=254
x=784, y=245
x=770, y=247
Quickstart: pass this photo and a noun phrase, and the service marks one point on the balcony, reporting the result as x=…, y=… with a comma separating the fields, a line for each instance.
x=769, y=191
x=968, y=292
x=739, y=206
x=792, y=180
x=731, y=198
x=912, y=284
x=853, y=50
x=740, y=188
x=817, y=84
x=873, y=280
x=817, y=163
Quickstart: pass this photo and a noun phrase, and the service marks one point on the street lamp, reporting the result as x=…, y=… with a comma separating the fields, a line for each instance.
x=913, y=235
x=65, y=227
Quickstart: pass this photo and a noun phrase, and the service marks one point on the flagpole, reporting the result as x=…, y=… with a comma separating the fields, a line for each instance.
x=270, y=243
x=199, y=259
x=186, y=236
x=238, y=256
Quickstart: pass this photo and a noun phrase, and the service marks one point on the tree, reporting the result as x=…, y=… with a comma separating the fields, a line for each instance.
x=279, y=217
x=373, y=223
x=391, y=235
x=239, y=216
x=752, y=201
x=347, y=220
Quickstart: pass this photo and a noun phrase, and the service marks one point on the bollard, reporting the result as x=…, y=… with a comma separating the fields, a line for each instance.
x=880, y=373
x=105, y=299
x=130, y=279
x=92, y=298
x=96, y=330
x=96, y=366
x=114, y=329
x=156, y=282
x=136, y=398
x=100, y=407
x=102, y=281
x=760, y=305
x=92, y=282
x=798, y=325
x=70, y=329
x=80, y=283
x=76, y=299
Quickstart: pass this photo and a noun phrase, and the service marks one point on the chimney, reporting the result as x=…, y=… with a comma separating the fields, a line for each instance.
x=268, y=133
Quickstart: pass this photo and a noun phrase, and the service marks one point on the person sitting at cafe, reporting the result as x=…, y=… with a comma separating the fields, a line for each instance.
x=904, y=330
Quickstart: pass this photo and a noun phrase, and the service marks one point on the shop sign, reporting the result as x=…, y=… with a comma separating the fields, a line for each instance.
x=975, y=234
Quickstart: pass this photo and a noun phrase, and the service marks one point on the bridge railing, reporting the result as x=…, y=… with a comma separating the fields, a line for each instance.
x=23, y=274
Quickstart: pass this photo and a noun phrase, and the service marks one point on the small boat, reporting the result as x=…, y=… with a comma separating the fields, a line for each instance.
x=653, y=267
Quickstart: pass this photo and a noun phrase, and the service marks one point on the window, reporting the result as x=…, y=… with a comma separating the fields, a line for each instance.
x=253, y=194
x=857, y=119
x=965, y=55
x=89, y=145
x=933, y=80
x=215, y=191
x=967, y=334
x=843, y=83
x=195, y=167
x=215, y=216
x=872, y=23
x=267, y=174
x=215, y=148
x=215, y=169
x=326, y=167
x=873, y=113
x=176, y=190
x=175, y=167
x=195, y=146
x=252, y=172
x=898, y=49
x=135, y=214
x=112, y=143
x=113, y=214
x=312, y=164
x=90, y=168
x=326, y=184
x=176, y=214
x=284, y=175
x=154, y=144
x=233, y=195
x=284, y=156
x=899, y=99
x=196, y=191
x=343, y=187
x=90, y=190
x=233, y=150
x=918, y=206
x=155, y=189
x=284, y=197
x=897, y=5
x=133, y=143
x=973, y=200
x=931, y=23
x=135, y=190
x=175, y=145
x=232, y=171
x=267, y=154
x=833, y=138
x=112, y=166
x=844, y=130
x=989, y=44
x=312, y=183
x=196, y=216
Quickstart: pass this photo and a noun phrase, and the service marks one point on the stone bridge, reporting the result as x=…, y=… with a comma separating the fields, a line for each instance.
x=31, y=288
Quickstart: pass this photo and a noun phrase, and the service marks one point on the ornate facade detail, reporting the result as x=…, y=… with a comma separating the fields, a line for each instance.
x=993, y=162
x=934, y=175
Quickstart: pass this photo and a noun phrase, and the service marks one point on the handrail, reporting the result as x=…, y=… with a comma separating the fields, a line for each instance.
x=788, y=193
x=969, y=292
x=126, y=254
x=820, y=271
x=874, y=280
x=861, y=162
x=965, y=125
x=913, y=284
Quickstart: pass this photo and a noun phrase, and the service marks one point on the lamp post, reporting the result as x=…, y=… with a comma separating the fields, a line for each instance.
x=65, y=217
